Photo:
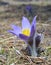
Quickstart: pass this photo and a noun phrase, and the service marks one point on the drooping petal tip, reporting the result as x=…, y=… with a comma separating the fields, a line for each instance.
x=16, y=29
x=11, y=31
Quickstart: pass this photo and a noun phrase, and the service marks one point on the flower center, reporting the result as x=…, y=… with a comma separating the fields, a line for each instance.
x=26, y=32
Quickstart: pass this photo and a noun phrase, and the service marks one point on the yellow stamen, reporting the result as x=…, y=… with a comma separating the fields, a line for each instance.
x=26, y=32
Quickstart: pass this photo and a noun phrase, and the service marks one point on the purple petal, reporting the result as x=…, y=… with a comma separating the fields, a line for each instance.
x=12, y=31
x=28, y=7
x=24, y=37
x=32, y=31
x=33, y=27
x=34, y=22
x=16, y=29
x=25, y=23
x=37, y=40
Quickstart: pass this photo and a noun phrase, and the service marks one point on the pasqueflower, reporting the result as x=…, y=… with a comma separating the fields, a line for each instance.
x=27, y=33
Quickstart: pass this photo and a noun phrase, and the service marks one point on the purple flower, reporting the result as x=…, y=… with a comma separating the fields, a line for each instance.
x=26, y=31
x=28, y=7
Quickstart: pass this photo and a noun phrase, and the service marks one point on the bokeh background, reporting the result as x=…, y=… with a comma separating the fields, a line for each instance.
x=11, y=12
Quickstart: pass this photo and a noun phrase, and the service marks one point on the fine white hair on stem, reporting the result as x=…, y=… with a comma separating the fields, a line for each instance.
x=34, y=53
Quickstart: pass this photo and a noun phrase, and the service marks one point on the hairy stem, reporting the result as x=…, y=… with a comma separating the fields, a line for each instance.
x=34, y=53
